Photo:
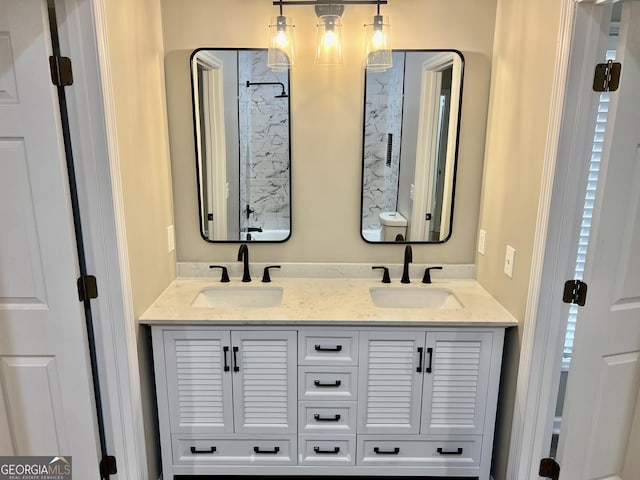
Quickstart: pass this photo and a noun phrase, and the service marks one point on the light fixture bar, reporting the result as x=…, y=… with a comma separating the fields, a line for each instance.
x=329, y=2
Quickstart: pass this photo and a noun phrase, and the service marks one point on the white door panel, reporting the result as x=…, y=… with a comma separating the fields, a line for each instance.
x=22, y=282
x=34, y=404
x=47, y=402
x=455, y=391
x=265, y=382
x=605, y=372
x=390, y=390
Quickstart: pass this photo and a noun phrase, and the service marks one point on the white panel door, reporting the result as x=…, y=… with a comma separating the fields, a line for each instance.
x=455, y=390
x=198, y=366
x=265, y=381
x=47, y=402
x=605, y=369
x=390, y=386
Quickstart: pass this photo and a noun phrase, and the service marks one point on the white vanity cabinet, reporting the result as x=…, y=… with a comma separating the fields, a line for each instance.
x=427, y=398
x=433, y=382
x=225, y=397
x=327, y=400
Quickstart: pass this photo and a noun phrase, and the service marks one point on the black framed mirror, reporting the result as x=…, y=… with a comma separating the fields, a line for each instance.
x=410, y=147
x=242, y=129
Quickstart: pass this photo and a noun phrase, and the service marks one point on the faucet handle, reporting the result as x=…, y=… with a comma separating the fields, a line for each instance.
x=427, y=274
x=266, y=278
x=385, y=275
x=225, y=274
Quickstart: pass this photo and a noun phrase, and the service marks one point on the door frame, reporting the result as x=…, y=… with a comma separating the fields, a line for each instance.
x=83, y=38
x=569, y=140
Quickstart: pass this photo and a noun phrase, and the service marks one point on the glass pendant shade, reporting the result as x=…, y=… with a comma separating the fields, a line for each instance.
x=378, y=44
x=281, y=55
x=329, y=40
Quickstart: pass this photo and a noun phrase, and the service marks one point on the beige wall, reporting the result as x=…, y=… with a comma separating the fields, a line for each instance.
x=326, y=114
x=524, y=46
x=134, y=31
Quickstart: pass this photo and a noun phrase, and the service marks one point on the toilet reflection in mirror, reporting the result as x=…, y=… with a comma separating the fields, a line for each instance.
x=410, y=141
x=242, y=132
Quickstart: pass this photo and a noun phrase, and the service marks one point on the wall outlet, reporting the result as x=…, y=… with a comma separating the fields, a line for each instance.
x=509, y=260
x=482, y=238
x=171, y=238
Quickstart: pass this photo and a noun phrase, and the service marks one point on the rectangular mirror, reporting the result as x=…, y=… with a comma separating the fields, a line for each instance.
x=410, y=146
x=242, y=138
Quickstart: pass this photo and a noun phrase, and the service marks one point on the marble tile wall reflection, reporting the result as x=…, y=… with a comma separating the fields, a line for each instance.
x=264, y=144
x=383, y=116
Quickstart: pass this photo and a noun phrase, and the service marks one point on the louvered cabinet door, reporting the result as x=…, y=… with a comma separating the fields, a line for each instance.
x=455, y=392
x=265, y=383
x=390, y=385
x=198, y=387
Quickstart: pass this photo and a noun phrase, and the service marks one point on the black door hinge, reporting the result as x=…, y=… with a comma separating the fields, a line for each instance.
x=575, y=292
x=607, y=77
x=549, y=468
x=108, y=467
x=427, y=217
x=87, y=288
x=61, y=72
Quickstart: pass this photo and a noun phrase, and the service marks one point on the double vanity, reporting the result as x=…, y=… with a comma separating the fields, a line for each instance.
x=327, y=376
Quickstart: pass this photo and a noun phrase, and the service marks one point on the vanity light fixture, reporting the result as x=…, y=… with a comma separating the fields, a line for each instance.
x=329, y=35
x=329, y=40
x=377, y=50
x=281, y=54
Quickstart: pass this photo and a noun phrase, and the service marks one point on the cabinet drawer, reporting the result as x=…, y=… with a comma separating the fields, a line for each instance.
x=419, y=451
x=324, y=348
x=327, y=383
x=327, y=417
x=327, y=450
x=202, y=450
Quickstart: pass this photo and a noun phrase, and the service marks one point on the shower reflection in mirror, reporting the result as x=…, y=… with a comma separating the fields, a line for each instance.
x=411, y=123
x=242, y=132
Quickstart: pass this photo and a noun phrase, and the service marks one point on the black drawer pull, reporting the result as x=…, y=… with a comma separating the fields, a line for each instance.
x=457, y=452
x=430, y=353
x=335, y=451
x=337, y=348
x=272, y=452
x=335, y=418
x=395, y=451
x=195, y=451
x=225, y=350
x=236, y=368
x=318, y=383
x=420, y=357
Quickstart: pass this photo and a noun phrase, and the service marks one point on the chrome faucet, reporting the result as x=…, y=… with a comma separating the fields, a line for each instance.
x=408, y=258
x=243, y=254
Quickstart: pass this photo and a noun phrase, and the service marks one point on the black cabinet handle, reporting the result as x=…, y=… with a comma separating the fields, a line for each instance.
x=420, y=357
x=443, y=452
x=335, y=418
x=335, y=451
x=270, y=452
x=395, y=451
x=225, y=350
x=236, y=368
x=337, y=348
x=430, y=353
x=317, y=383
x=195, y=451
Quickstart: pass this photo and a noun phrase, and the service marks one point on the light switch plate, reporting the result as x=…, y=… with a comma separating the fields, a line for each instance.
x=509, y=260
x=482, y=238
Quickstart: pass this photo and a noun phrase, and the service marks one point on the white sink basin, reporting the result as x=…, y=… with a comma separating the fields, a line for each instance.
x=253, y=297
x=414, y=297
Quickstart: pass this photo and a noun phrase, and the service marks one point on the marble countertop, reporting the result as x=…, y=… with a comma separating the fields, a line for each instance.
x=326, y=301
